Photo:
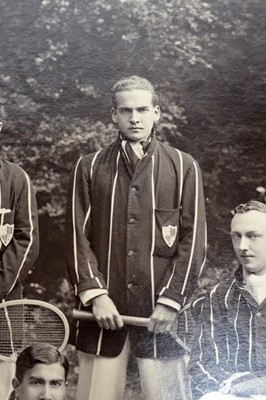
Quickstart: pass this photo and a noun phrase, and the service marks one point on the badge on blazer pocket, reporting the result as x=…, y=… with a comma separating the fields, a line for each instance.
x=169, y=234
x=6, y=230
x=6, y=233
x=166, y=232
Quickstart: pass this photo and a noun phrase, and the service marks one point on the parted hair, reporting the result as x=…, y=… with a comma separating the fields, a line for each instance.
x=41, y=353
x=252, y=205
x=133, y=82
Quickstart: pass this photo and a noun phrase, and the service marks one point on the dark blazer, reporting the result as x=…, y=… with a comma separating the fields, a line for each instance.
x=139, y=236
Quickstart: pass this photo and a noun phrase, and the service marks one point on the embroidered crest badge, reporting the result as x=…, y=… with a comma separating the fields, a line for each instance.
x=169, y=234
x=6, y=233
x=6, y=230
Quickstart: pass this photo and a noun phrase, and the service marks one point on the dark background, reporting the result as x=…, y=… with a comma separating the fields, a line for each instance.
x=58, y=61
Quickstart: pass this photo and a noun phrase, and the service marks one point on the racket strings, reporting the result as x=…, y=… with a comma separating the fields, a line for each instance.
x=26, y=324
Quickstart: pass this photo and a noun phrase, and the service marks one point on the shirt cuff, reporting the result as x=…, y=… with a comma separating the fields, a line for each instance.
x=169, y=302
x=87, y=295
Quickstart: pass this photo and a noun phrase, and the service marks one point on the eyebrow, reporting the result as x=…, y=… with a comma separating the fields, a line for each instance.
x=130, y=108
x=38, y=378
x=246, y=233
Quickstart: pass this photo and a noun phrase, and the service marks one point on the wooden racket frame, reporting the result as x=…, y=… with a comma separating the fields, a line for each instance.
x=44, y=304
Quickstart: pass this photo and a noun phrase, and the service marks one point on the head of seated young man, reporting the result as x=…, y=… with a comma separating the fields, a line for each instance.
x=248, y=230
x=135, y=107
x=41, y=374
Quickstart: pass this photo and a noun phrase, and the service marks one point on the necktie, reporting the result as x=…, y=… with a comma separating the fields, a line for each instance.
x=132, y=156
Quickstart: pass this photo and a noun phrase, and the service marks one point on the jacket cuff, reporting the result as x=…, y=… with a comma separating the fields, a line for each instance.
x=169, y=302
x=88, y=284
x=87, y=295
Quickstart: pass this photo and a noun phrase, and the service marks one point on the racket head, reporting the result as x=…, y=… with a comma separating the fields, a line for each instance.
x=26, y=322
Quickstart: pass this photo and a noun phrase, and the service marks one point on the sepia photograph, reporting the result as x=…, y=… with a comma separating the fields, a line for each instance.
x=133, y=200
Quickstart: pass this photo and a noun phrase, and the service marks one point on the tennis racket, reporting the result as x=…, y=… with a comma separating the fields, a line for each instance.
x=128, y=320
x=27, y=322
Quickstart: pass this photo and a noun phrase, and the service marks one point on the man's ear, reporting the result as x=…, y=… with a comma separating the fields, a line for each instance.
x=157, y=113
x=15, y=383
x=114, y=115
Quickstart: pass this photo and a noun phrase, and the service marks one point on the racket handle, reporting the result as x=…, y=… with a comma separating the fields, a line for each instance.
x=128, y=320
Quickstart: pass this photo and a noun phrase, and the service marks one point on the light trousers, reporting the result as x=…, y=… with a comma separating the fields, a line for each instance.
x=7, y=373
x=221, y=396
x=105, y=377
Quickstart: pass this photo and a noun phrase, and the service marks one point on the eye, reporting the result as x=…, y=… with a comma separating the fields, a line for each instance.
x=143, y=109
x=254, y=235
x=235, y=236
x=35, y=382
x=124, y=110
x=56, y=383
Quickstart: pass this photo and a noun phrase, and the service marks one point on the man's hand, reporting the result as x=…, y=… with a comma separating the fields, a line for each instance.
x=105, y=313
x=162, y=319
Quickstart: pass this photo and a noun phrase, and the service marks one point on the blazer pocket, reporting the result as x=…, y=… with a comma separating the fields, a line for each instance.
x=166, y=232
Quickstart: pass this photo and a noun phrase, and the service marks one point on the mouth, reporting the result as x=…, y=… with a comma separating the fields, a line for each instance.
x=135, y=128
x=244, y=257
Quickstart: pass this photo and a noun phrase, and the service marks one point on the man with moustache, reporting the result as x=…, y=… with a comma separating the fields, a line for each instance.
x=228, y=359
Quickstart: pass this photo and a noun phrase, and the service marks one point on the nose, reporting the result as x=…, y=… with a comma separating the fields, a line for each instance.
x=46, y=393
x=243, y=244
x=134, y=118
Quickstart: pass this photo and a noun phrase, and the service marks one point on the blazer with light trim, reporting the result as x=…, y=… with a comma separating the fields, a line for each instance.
x=230, y=337
x=19, y=236
x=140, y=236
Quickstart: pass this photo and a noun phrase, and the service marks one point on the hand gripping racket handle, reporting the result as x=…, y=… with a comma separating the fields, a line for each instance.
x=128, y=320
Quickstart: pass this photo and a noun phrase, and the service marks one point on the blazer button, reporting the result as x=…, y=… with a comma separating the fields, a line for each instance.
x=132, y=221
x=133, y=190
x=130, y=253
x=130, y=286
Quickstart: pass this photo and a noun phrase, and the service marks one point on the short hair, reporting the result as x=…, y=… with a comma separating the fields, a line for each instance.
x=134, y=82
x=41, y=353
x=252, y=205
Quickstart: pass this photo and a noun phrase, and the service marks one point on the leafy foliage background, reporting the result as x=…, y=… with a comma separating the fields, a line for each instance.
x=58, y=61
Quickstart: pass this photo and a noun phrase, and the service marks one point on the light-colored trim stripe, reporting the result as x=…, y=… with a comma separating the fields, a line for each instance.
x=199, y=363
x=152, y=252
x=205, y=250
x=74, y=221
x=228, y=293
x=237, y=336
x=93, y=162
x=227, y=348
x=250, y=342
x=91, y=174
x=31, y=233
x=194, y=228
x=153, y=236
x=212, y=325
x=181, y=176
x=99, y=345
x=77, y=325
x=86, y=219
x=111, y=222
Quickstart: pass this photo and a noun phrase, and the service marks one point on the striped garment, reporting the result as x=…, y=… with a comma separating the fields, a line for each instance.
x=138, y=236
x=19, y=237
x=230, y=337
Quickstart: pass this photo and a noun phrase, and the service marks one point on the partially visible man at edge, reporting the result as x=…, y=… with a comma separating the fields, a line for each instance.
x=19, y=241
x=41, y=374
x=136, y=241
x=228, y=359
